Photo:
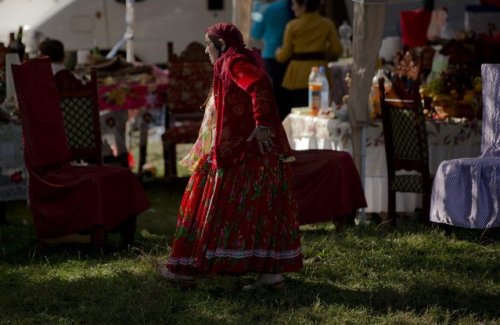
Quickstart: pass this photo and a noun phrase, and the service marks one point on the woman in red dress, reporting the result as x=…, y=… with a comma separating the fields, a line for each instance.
x=238, y=213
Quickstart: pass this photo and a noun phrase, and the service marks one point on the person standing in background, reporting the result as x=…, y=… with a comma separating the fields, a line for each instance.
x=269, y=26
x=309, y=40
x=54, y=49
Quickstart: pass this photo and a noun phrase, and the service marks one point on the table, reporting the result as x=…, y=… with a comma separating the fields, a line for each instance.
x=128, y=105
x=447, y=140
x=13, y=184
x=12, y=172
x=318, y=175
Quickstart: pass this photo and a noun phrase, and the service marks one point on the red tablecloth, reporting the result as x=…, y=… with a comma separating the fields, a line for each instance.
x=327, y=184
x=132, y=95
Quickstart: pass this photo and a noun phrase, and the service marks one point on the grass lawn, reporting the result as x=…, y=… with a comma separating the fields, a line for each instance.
x=363, y=275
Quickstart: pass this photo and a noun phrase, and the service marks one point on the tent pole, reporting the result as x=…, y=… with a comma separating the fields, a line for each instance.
x=129, y=33
x=362, y=171
x=128, y=36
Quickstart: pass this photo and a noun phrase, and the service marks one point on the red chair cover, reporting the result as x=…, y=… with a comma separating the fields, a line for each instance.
x=327, y=185
x=66, y=199
x=490, y=47
x=44, y=136
x=414, y=24
x=495, y=3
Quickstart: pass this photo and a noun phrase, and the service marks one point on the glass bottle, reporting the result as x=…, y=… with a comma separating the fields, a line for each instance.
x=12, y=46
x=325, y=91
x=21, y=48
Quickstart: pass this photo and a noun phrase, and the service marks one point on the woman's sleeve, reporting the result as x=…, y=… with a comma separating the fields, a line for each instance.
x=257, y=84
x=285, y=52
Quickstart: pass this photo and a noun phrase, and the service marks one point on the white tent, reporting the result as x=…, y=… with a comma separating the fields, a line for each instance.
x=83, y=24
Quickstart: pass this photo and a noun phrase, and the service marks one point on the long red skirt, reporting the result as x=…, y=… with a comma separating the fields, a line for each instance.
x=238, y=219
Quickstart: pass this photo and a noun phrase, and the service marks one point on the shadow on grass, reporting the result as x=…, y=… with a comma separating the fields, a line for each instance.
x=479, y=236
x=140, y=297
x=118, y=298
x=405, y=268
x=417, y=297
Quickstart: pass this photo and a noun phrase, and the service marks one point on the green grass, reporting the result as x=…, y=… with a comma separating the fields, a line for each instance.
x=363, y=275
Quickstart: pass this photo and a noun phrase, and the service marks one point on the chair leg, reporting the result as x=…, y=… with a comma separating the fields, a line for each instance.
x=391, y=208
x=173, y=160
x=344, y=221
x=447, y=230
x=169, y=161
x=127, y=231
x=3, y=213
x=142, y=157
x=426, y=207
x=166, y=161
x=350, y=219
x=42, y=246
x=143, y=148
x=442, y=227
x=98, y=237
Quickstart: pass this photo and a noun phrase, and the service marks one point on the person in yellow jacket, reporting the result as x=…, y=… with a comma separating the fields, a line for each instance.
x=309, y=40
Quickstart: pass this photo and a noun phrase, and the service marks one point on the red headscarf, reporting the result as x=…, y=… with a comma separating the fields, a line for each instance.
x=234, y=39
x=229, y=33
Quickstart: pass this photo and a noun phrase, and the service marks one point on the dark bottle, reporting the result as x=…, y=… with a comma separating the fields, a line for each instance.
x=16, y=43
x=21, y=47
x=3, y=50
x=12, y=43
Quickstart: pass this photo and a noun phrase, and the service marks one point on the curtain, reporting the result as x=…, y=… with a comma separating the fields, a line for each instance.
x=368, y=28
x=242, y=10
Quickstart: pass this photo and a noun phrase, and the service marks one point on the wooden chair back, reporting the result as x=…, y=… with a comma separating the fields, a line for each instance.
x=404, y=127
x=406, y=143
x=190, y=81
x=45, y=144
x=79, y=105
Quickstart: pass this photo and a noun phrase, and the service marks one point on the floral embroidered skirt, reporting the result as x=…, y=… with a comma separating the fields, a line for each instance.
x=238, y=219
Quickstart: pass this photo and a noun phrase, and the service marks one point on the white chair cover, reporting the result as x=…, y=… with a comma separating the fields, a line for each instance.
x=466, y=191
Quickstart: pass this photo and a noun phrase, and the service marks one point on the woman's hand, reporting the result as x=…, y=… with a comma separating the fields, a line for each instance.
x=264, y=136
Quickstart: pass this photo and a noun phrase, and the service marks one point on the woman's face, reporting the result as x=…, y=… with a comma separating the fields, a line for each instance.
x=298, y=9
x=211, y=50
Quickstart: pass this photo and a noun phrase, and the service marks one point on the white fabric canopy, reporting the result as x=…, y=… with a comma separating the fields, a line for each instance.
x=368, y=28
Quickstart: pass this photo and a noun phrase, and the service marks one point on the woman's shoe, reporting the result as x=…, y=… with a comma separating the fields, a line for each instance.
x=266, y=281
x=174, y=277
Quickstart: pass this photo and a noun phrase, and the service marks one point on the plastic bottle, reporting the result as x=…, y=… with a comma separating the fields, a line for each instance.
x=325, y=91
x=345, y=33
x=376, y=110
x=314, y=91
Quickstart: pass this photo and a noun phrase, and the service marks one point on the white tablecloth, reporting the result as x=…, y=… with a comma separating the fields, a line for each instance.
x=12, y=172
x=447, y=140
